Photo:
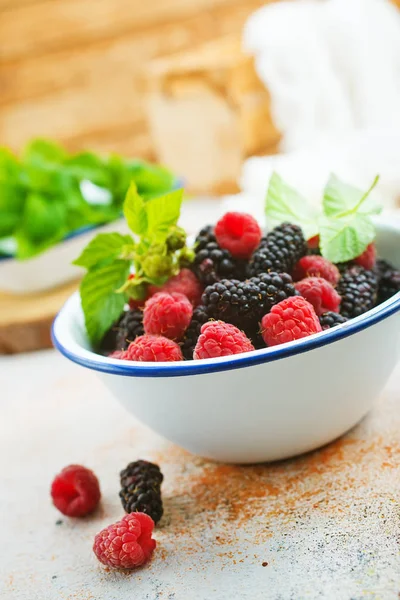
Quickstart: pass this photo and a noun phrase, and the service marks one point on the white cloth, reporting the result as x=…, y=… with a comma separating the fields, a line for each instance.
x=333, y=72
x=331, y=66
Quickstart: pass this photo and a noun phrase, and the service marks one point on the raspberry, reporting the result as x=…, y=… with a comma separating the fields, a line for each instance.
x=389, y=280
x=75, y=491
x=141, y=489
x=192, y=333
x=185, y=283
x=358, y=288
x=126, y=544
x=313, y=242
x=167, y=314
x=291, y=319
x=116, y=354
x=278, y=251
x=243, y=303
x=211, y=262
x=316, y=266
x=331, y=319
x=239, y=233
x=153, y=348
x=221, y=339
x=320, y=293
x=368, y=258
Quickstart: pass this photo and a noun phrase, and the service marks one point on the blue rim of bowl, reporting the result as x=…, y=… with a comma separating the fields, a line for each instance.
x=197, y=367
x=178, y=183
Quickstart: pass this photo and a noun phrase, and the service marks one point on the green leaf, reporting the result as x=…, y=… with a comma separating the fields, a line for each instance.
x=341, y=198
x=8, y=224
x=163, y=212
x=150, y=179
x=135, y=211
x=41, y=151
x=100, y=303
x=87, y=165
x=105, y=246
x=283, y=203
x=342, y=239
x=43, y=218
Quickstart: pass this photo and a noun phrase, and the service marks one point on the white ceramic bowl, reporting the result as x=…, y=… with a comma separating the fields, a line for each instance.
x=53, y=267
x=265, y=405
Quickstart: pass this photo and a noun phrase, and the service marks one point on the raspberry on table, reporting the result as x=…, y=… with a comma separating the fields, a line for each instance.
x=141, y=489
x=192, y=333
x=368, y=258
x=153, y=348
x=221, y=339
x=320, y=293
x=211, y=262
x=185, y=282
x=291, y=319
x=358, y=288
x=243, y=303
x=239, y=233
x=126, y=544
x=316, y=266
x=75, y=491
x=389, y=280
x=167, y=314
x=278, y=251
x=330, y=319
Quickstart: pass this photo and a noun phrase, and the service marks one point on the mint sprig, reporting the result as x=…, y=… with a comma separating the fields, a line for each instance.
x=154, y=253
x=344, y=224
x=284, y=203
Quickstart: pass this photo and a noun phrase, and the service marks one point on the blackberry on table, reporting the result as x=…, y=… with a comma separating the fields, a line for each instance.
x=389, y=280
x=358, y=288
x=243, y=303
x=278, y=251
x=141, y=489
x=193, y=331
x=211, y=262
x=330, y=319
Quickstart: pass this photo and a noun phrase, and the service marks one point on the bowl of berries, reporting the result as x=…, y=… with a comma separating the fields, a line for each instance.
x=246, y=345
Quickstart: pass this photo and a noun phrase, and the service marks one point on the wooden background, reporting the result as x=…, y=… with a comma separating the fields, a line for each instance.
x=73, y=69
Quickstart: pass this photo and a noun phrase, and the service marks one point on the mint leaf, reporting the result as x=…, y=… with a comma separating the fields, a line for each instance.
x=104, y=247
x=150, y=179
x=341, y=198
x=101, y=304
x=283, y=203
x=134, y=211
x=163, y=212
x=342, y=239
x=43, y=218
x=40, y=151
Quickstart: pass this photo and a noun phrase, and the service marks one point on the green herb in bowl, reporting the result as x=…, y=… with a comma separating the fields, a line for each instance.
x=47, y=194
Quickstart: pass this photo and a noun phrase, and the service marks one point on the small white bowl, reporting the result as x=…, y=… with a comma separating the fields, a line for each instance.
x=264, y=405
x=54, y=266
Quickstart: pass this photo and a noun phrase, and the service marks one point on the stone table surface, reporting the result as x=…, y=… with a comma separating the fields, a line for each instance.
x=325, y=525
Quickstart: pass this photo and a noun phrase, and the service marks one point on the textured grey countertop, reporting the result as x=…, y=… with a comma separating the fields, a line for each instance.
x=326, y=525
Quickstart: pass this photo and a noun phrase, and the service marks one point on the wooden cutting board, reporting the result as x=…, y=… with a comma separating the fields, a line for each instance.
x=25, y=320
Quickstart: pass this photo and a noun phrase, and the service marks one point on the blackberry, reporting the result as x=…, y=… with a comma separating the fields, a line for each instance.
x=331, y=319
x=278, y=251
x=128, y=327
x=211, y=262
x=141, y=489
x=244, y=303
x=358, y=288
x=193, y=331
x=389, y=280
